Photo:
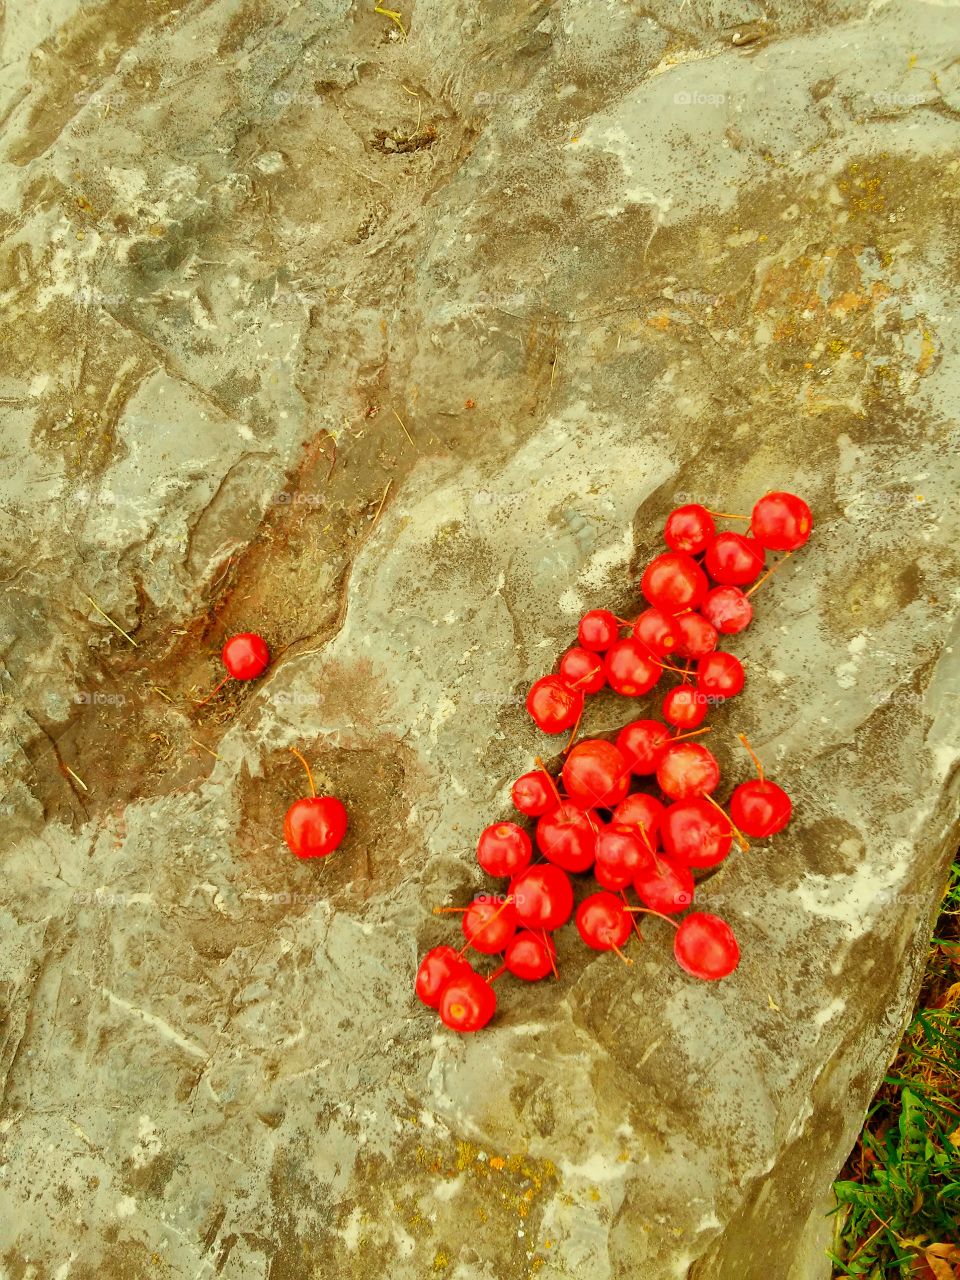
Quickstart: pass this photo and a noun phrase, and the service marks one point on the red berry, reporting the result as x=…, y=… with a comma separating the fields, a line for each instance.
x=728, y=609
x=596, y=774
x=705, y=946
x=489, y=923
x=582, y=670
x=697, y=636
x=641, y=742
x=245, y=655
x=567, y=837
x=689, y=529
x=504, y=849
x=658, y=631
x=603, y=921
x=621, y=854
x=640, y=811
x=695, y=832
x=530, y=955
x=674, y=582
x=685, y=707
x=436, y=969
x=687, y=769
x=597, y=630
x=760, y=808
x=542, y=897
x=719, y=675
x=553, y=705
x=666, y=886
x=315, y=826
x=629, y=668
x=468, y=1002
x=781, y=522
x=533, y=795
x=732, y=559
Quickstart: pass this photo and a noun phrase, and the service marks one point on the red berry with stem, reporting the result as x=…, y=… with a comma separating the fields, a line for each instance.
x=436, y=969
x=727, y=609
x=621, y=854
x=685, y=707
x=705, y=946
x=598, y=630
x=698, y=637
x=696, y=832
x=468, y=1002
x=687, y=769
x=489, y=923
x=643, y=813
x=553, y=705
x=641, y=742
x=781, y=521
x=689, y=528
x=542, y=897
x=603, y=922
x=674, y=582
x=720, y=675
x=733, y=560
x=315, y=825
x=630, y=668
x=567, y=837
x=583, y=670
x=530, y=955
x=504, y=849
x=667, y=885
x=596, y=774
x=658, y=631
x=759, y=808
x=534, y=793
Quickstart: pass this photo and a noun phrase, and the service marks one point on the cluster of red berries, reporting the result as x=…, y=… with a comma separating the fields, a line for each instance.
x=629, y=838
x=315, y=825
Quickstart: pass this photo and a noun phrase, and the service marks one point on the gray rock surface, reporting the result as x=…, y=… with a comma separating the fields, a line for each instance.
x=398, y=347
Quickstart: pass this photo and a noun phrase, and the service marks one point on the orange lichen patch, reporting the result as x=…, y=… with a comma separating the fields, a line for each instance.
x=848, y=302
x=928, y=349
x=660, y=322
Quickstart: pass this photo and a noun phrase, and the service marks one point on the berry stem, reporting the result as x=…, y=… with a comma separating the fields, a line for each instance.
x=741, y=839
x=648, y=911
x=626, y=903
x=496, y=973
x=549, y=776
x=553, y=963
x=728, y=515
x=447, y=911
x=679, y=737
x=576, y=729
x=753, y=755
x=625, y=959
x=625, y=622
x=764, y=576
x=213, y=692
x=313, y=789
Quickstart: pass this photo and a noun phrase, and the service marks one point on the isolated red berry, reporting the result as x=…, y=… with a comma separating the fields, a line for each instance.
x=597, y=630
x=596, y=774
x=685, y=706
x=705, y=946
x=583, y=670
x=621, y=854
x=542, y=897
x=567, y=837
x=689, y=529
x=697, y=636
x=642, y=812
x=720, y=675
x=245, y=655
x=674, y=582
x=603, y=921
x=665, y=886
x=468, y=1002
x=553, y=706
x=530, y=955
x=732, y=559
x=641, y=742
x=315, y=826
x=658, y=631
x=436, y=969
x=695, y=832
x=781, y=521
x=687, y=769
x=727, y=609
x=760, y=808
x=489, y=923
x=533, y=795
x=504, y=849
x=630, y=669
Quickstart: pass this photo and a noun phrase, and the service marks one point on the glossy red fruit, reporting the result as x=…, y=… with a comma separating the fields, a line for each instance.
x=567, y=837
x=468, y=1002
x=705, y=946
x=658, y=631
x=621, y=854
x=696, y=833
x=720, y=675
x=642, y=812
x=315, y=826
x=727, y=609
x=760, y=808
x=530, y=955
x=489, y=923
x=597, y=630
x=245, y=655
x=781, y=521
x=542, y=897
x=689, y=529
x=697, y=636
x=630, y=669
x=685, y=707
x=583, y=670
x=603, y=921
x=504, y=849
x=553, y=706
x=596, y=774
x=733, y=560
x=436, y=969
x=641, y=742
x=533, y=795
x=667, y=886
x=687, y=769
x=674, y=582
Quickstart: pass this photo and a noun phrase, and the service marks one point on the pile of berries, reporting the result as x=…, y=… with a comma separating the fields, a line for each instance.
x=596, y=816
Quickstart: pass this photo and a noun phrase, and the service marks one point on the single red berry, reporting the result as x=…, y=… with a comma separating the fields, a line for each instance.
x=621, y=854
x=245, y=655
x=685, y=707
x=727, y=609
x=687, y=769
x=567, y=837
x=630, y=669
x=760, y=808
x=705, y=946
x=597, y=630
x=689, y=529
x=436, y=969
x=643, y=813
x=674, y=582
x=553, y=706
x=641, y=742
x=504, y=849
x=468, y=1002
x=719, y=675
x=697, y=636
x=542, y=897
x=733, y=560
x=666, y=886
x=530, y=955
x=781, y=522
x=489, y=923
x=603, y=921
x=533, y=795
x=695, y=832
x=583, y=670
x=658, y=631
x=596, y=774
x=315, y=826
